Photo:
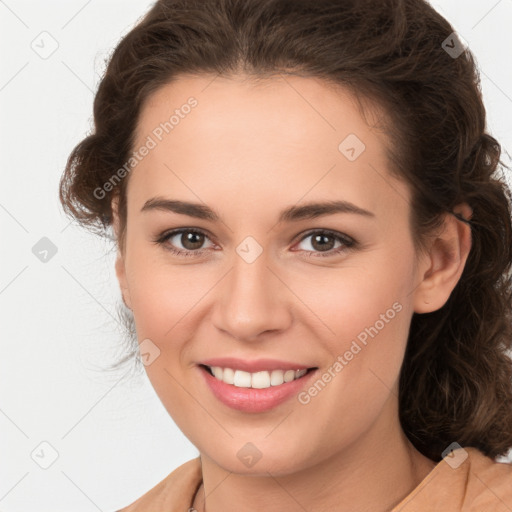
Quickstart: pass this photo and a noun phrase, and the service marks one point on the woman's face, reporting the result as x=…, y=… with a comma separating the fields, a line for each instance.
x=300, y=256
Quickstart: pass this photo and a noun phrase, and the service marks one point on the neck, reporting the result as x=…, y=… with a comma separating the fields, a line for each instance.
x=372, y=474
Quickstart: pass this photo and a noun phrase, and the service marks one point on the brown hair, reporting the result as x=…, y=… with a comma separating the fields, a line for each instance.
x=456, y=377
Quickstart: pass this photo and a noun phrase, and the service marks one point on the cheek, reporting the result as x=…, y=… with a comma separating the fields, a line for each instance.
x=354, y=298
x=164, y=299
x=370, y=319
x=365, y=313
x=162, y=294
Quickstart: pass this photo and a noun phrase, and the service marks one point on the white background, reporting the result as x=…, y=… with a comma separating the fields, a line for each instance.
x=113, y=437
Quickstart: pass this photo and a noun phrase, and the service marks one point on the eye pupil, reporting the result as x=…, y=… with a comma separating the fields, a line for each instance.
x=321, y=240
x=190, y=242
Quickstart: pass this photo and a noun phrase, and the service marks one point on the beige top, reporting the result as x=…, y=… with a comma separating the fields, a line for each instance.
x=458, y=483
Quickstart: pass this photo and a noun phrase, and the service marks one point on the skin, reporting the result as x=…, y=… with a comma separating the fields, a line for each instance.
x=249, y=150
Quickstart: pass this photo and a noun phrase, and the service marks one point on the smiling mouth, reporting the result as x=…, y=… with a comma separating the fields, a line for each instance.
x=256, y=380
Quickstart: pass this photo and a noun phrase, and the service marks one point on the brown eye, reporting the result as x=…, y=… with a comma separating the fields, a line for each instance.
x=192, y=240
x=322, y=242
x=184, y=242
x=325, y=243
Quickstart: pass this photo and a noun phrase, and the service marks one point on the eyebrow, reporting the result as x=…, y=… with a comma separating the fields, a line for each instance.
x=290, y=214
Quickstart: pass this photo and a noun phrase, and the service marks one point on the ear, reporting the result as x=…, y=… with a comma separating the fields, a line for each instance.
x=120, y=265
x=440, y=269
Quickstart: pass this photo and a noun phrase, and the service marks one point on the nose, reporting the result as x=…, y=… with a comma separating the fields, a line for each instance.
x=252, y=301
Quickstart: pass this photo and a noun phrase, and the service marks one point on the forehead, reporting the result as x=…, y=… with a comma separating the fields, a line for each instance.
x=275, y=139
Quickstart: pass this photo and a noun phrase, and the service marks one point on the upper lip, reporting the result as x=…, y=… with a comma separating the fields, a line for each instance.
x=256, y=365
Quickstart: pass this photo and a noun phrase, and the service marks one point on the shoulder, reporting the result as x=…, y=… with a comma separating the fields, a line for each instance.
x=489, y=484
x=175, y=492
x=465, y=480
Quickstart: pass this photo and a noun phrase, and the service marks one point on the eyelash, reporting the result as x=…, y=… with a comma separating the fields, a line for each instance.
x=348, y=242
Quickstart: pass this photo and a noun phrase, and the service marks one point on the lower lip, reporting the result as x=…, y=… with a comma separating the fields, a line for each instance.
x=252, y=399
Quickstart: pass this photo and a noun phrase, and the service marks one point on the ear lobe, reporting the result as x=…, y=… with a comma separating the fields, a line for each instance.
x=442, y=267
x=123, y=283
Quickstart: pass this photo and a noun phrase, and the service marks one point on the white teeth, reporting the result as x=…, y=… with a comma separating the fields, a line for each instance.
x=276, y=377
x=242, y=379
x=260, y=380
x=289, y=375
x=228, y=375
x=257, y=380
x=217, y=372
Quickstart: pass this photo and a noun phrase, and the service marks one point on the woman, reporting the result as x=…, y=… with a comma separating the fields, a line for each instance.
x=315, y=244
